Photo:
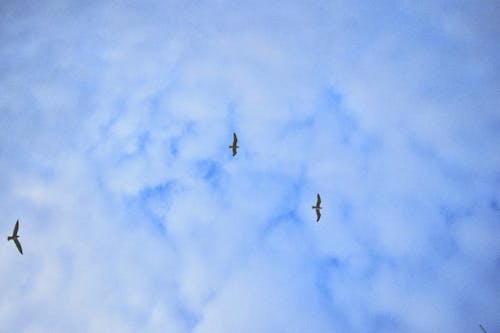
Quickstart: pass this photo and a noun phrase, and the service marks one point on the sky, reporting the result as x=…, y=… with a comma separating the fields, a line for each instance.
x=115, y=121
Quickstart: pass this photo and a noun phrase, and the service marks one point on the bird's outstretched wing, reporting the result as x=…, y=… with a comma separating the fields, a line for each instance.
x=318, y=214
x=18, y=245
x=482, y=328
x=235, y=142
x=16, y=228
x=319, y=201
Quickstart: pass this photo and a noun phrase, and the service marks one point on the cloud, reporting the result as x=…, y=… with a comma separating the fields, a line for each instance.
x=114, y=126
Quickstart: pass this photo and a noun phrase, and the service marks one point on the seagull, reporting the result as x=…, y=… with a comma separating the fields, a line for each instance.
x=482, y=328
x=234, y=146
x=15, y=237
x=317, y=207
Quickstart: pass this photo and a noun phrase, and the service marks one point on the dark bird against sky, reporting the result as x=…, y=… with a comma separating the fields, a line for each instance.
x=234, y=146
x=318, y=207
x=15, y=237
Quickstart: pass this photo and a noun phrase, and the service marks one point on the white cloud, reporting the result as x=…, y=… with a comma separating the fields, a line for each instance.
x=114, y=126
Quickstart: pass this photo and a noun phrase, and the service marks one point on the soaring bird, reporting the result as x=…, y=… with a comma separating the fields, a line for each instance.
x=234, y=146
x=317, y=207
x=15, y=237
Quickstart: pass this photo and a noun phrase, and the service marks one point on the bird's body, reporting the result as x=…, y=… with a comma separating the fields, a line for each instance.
x=234, y=146
x=15, y=237
x=317, y=207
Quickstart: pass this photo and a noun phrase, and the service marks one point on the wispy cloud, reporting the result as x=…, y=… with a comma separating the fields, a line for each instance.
x=115, y=120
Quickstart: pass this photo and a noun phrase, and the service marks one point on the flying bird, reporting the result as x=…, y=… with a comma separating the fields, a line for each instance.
x=234, y=146
x=15, y=237
x=482, y=328
x=317, y=207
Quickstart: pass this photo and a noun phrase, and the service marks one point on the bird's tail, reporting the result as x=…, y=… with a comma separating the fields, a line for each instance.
x=9, y=238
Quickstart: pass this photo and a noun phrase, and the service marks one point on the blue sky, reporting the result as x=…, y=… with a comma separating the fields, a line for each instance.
x=115, y=118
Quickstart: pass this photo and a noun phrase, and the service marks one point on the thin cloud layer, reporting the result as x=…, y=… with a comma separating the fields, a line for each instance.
x=114, y=126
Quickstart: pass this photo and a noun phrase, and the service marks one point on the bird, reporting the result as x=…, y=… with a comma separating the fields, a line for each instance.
x=234, y=146
x=482, y=328
x=317, y=207
x=15, y=237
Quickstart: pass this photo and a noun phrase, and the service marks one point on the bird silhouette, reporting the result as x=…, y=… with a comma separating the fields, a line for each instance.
x=317, y=207
x=15, y=237
x=234, y=146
